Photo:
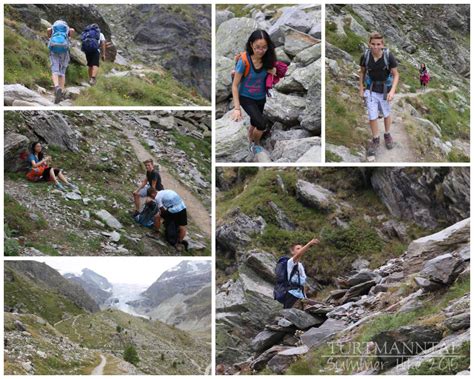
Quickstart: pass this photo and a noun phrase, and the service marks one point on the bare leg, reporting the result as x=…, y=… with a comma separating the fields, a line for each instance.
x=90, y=71
x=181, y=233
x=137, y=201
x=62, y=81
x=94, y=71
x=257, y=135
x=55, y=80
x=387, y=121
x=62, y=178
x=374, y=127
x=53, y=176
x=157, y=223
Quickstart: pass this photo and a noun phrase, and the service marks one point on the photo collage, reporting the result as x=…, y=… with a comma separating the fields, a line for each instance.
x=217, y=188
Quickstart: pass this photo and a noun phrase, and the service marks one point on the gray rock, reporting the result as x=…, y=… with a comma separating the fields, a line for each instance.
x=232, y=35
x=19, y=326
x=443, y=269
x=333, y=67
x=391, y=344
x=301, y=319
x=309, y=55
x=377, y=289
x=426, y=284
x=333, y=52
x=317, y=336
x=282, y=219
x=295, y=18
x=315, y=196
x=164, y=123
x=363, y=276
x=231, y=298
x=107, y=218
x=285, y=108
x=262, y=263
x=55, y=130
x=265, y=340
x=301, y=79
x=310, y=119
x=13, y=92
x=73, y=92
x=360, y=264
x=282, y=56
x=312, y=155
x=231, y=138
x=296, y=42
x=224, y=68
x=299, y=350
x=295, y=150
x=222, y=16
x=280, y=363
x=342, y=153
x=458, y=322
x=260, y=362
x=72, y=196
x=15, y=152
x=358, y=290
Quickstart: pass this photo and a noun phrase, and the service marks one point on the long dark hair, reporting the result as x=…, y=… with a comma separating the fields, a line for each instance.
x=422, y=66
x=40, y=154
x=269, y=58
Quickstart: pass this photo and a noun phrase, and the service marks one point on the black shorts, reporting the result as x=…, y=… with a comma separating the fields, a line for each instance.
x=254, y=108
x=180, y=218
x=93, y=59
x=289, y=301
x=46, y=173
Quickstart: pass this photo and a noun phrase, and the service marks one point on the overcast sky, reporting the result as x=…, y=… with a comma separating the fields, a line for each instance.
x=134, y=270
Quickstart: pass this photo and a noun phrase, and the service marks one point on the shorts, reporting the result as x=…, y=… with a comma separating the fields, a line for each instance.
x=289, y=301
x=254, y=108
x=180, y=218
x=93, y=59
x=375, y=104
x=143, y=191
x=46, y=172
x=59, y=63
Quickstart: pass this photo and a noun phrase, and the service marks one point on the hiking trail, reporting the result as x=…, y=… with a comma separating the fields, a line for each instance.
x=196, y=211
x=403, y=150
x=99, y=370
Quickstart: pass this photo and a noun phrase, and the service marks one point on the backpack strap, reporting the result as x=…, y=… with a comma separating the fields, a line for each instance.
x=246, y=61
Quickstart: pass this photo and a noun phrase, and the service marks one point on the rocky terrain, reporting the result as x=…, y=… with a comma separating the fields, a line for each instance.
x=48, y=332
x=392, y=267
x=96, y=286
x=110, y=146
x=293, y=110
x=181, y=297
x=430, y=125
x=142, y=55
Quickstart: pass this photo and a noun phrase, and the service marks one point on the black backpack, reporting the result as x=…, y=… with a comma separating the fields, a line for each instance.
x=283, y=285
x=147, y=216
x=171, y=232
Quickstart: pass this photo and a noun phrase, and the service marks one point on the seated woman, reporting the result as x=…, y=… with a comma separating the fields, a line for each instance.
x=41, y=171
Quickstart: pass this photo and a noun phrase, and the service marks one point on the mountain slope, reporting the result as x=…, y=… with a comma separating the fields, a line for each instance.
x=95, y=285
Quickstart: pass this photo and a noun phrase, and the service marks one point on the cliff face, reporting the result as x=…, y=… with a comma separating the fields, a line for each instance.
x=94, y=284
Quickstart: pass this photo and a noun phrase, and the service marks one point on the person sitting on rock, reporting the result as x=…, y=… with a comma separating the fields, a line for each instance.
x=59, y=35
x=151, y=180
x=172, y=209
x=94, y=47
x=41, y=171
x=296, y=292
x=378, y=82
x=249, y=85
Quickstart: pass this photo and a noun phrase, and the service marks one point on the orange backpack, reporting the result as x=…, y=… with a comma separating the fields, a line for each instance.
x=36, y=173
x=245, y=59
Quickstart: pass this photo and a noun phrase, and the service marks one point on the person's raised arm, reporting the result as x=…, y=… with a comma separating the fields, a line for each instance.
x=304, y=249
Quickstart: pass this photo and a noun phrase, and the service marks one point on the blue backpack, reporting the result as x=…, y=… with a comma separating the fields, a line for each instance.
x=389, y=77
x=59, y=41
x=283, y=285
x=147, y=216
x=90, y=38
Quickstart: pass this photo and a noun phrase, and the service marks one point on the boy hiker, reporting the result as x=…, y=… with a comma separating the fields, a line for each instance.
x=59, y=34
x=93, y=45
x=378, y=82
x=173, y=211
x=151, y=180
x=291, y=277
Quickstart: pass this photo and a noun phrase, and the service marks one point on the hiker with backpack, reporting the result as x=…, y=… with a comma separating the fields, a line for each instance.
x=94, y=47
x=40, y=170
x=424, y=76
x=152, y=179
x=378, y=82
x=172, y=211
x=59, y=35
x=291, y=276
x=249, y=84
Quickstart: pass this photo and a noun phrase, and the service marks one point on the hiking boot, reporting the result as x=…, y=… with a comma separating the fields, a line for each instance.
x=58, y=94
x=388, y=141
x=72, y=186
x=373, y=147
x=257, y=149
x=60, y=187
x=92, y=81
x=185, y=244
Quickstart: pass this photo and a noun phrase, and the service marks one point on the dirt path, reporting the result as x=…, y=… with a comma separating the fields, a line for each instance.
x=403, y=150
x=196, y=211
x=99, y=370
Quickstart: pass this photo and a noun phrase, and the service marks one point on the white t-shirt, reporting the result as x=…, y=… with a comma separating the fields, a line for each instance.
x=296, y=292
x=101, y=39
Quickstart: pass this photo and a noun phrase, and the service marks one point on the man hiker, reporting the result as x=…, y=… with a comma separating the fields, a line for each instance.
x=59, y=34
x=151, y=180
x=94, y=46
x=378, y=82
x=173, y=211
x=291, y=276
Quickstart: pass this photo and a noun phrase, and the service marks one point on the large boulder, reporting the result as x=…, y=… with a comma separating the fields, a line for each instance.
x=310, y=119
x=434, y=245
x=285, y=108
x=16, y=92
x=265, y=340
x=224, y=67
x=396, y=346
x=301, y=79
x=314, y=196
x=296, y=150
x=15, y=152
x=222, y=16
x=357, y=290
x=231, y=138
x=296, y=42
x=317, y=336
x=107, y=218
x=232, y=35
x=301, y=319
x=443, y=269
x=262, y=263
x=309, y=55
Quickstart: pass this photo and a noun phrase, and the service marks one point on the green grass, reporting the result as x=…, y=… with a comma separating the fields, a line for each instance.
x=350, y=42
x=157, y=90
x=18, y=219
